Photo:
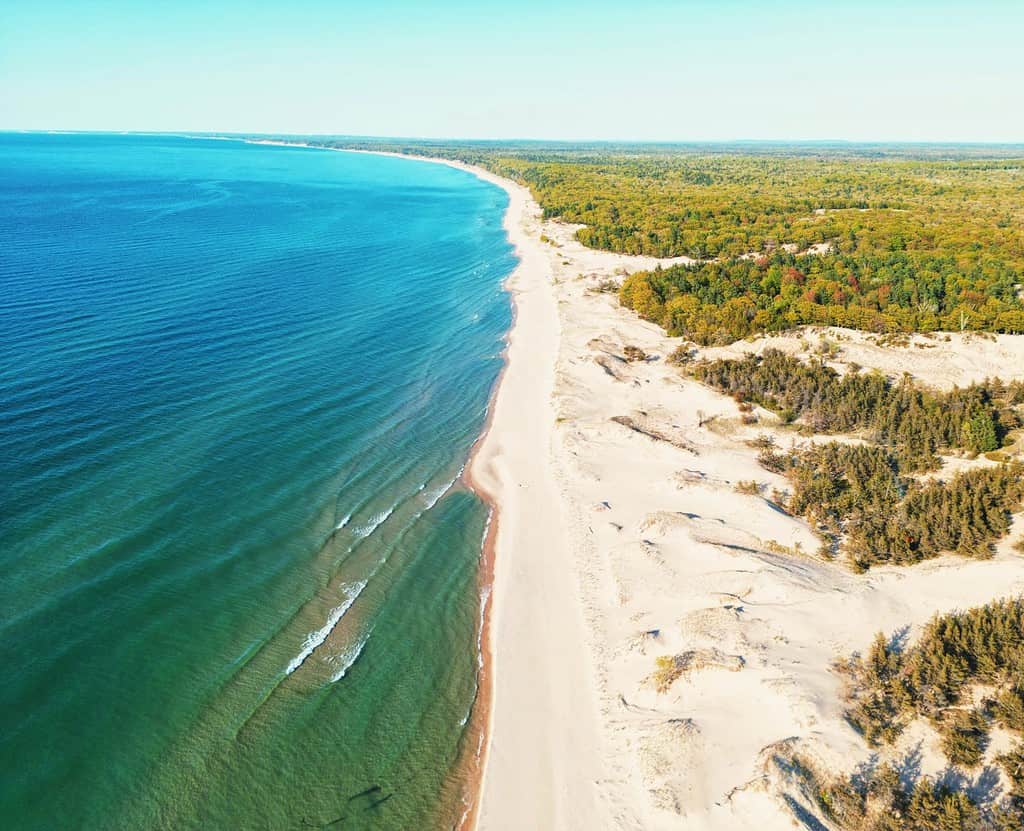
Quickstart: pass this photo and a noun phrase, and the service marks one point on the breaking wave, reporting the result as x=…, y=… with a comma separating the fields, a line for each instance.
x=351, y=591
x=434, y=496
x=375, y=522
x=347, y=658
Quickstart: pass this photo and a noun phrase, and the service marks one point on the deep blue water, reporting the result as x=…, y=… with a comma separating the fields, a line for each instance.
x=236, y=382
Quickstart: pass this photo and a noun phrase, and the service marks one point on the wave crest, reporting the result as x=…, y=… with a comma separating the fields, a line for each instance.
x=375, y=522
x=348, y=658
x=350, y=591
x=434, y=496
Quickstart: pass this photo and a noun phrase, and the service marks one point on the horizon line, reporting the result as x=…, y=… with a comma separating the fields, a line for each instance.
x=522, y=140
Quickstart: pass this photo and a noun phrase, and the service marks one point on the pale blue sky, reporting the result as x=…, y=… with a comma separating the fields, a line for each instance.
x=648, y=70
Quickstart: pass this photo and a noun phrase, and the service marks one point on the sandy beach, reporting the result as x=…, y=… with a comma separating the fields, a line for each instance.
x=543, y=759
x=544, y=733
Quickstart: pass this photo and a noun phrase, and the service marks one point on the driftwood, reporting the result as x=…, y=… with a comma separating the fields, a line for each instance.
x=605, y=362
x=657, y=435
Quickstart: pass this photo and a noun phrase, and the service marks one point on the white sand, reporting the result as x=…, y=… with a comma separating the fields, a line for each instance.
x=544, y=757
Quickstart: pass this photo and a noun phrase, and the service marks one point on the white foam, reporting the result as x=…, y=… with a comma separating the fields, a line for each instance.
x=350, y=591
x=347, y=658
x=343, y=523
x=375, y=522
x=434, y=496
x=485, y=597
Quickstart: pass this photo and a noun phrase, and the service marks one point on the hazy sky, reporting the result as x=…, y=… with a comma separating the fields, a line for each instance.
x=633, y=69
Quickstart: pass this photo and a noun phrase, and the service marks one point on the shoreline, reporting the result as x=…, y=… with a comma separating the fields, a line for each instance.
x=480, y=726
x=484, y=476
x=541, y=759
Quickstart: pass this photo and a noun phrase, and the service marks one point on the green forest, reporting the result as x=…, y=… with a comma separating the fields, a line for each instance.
x=717, y=303
x=878, y=245
x=913, y=421
x=704, y=206
x=859, y=500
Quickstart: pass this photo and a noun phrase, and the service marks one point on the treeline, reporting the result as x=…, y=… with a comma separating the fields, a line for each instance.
x=885, y=291
x=868, y=510
x=903, y=241
x=715, y=205
x=915, y=423
x=935, y=678
x=711, y=201
x=878, y=799
x=981, y=646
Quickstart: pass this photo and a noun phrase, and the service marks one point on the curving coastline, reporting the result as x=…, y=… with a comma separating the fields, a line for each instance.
x=533, y=745
x=534, y=754
x=532, y=297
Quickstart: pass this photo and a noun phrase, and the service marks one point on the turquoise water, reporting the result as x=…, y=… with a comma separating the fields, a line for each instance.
x=238, y=588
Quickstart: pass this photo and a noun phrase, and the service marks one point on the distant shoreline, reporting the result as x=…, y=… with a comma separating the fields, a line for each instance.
x=835, y=147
